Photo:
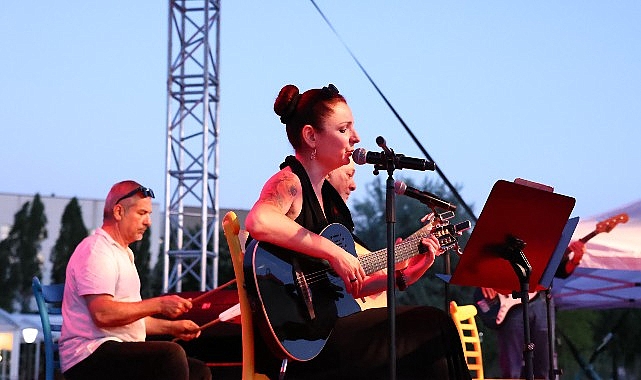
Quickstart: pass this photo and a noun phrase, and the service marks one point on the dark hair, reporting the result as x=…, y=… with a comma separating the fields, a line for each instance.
x=311, y=107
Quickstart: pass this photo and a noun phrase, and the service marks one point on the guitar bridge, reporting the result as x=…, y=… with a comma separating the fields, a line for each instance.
x=306, y=293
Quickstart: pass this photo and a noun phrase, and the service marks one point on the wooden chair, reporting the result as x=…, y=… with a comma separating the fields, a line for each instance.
x=49, y=300
x=231, y=229
x=463, y=317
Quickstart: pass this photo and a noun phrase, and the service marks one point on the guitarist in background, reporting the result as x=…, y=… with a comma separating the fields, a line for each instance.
x=510, y=332
x=295, y=205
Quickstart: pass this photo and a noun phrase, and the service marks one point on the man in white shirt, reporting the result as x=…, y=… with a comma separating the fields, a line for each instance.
x=105, y=320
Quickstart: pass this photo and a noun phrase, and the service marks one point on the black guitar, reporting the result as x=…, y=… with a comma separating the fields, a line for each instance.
x=297, y=299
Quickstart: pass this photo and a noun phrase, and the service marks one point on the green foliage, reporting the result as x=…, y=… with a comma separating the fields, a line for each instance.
x=19, y=254
x=225, y=268
x=154, y=286
x=7, y=285
x=371, y=226
x=72, y=231
x=581, y=332
x=142, y=259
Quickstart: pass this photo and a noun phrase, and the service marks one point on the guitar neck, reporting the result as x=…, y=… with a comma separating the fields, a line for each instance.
x=603, y=226
x=377, y=260
x=409, y=247
x=589, y=236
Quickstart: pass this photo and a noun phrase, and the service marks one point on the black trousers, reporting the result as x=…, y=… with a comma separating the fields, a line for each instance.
x=158, y=360
x=427, y=347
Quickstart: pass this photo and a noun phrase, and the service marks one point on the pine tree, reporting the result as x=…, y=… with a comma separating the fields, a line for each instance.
x=72, y=231
x=142, y=259
x=7, y=285
x=9, y=257
x=29, y=262
x=19, y=261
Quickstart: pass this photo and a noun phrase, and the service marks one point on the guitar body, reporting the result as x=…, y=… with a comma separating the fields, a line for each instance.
x=296, y=299
x=279, y=281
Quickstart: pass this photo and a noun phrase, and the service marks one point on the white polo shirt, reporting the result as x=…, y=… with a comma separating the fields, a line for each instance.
x=98, y=265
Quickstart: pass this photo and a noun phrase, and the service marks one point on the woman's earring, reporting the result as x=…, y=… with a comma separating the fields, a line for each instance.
x=313, y=155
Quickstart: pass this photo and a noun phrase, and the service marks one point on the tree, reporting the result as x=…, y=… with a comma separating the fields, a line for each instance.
x=72, y=231
x=7, y=285
x=142, y=259
x=371, y=226
x=29, y=263
x=19, y=254
x=225, y=268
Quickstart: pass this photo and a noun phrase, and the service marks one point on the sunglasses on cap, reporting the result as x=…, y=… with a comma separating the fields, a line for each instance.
x=145, y=191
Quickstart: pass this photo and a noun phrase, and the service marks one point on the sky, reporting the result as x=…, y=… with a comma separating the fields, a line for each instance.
x=548, y=91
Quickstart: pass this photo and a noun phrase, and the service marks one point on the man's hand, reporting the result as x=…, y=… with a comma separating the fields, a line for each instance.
x=578, y=247
x=185, y=329
x=489, y=293
x=173, y=306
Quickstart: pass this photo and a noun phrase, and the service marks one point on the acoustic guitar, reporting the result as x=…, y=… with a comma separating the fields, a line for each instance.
x=297, y=299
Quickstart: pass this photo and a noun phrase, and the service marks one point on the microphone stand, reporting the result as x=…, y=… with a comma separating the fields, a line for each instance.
x=391, y=162
x=390, y=218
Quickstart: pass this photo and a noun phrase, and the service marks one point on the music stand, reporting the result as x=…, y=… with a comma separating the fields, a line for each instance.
x=516, y=233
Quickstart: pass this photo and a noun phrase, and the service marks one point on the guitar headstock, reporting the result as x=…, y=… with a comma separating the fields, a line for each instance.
x=608, y=224
x=448, y=234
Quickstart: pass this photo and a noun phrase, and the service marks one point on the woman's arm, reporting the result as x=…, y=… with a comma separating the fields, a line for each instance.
x=271, y=220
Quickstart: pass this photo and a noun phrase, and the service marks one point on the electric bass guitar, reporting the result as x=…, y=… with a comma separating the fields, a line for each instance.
x=493, y=311
x=296, y=299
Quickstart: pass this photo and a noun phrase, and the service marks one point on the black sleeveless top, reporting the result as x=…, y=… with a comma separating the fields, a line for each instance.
x=311, y=215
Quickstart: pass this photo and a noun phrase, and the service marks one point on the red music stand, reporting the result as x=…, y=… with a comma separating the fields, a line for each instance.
x=513, y=242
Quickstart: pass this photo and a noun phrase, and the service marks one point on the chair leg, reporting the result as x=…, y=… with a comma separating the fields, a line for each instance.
x=283, y=369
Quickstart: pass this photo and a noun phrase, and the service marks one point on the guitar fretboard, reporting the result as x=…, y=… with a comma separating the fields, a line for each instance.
x=377, y=260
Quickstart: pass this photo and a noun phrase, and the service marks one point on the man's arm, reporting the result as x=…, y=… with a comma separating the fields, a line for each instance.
x=571, y=259
x=106, y=312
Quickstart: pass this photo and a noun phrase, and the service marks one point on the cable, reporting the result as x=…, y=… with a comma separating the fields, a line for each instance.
x=400, y=119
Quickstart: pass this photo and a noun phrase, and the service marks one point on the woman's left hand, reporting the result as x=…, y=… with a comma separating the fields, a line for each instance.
x=416, y=266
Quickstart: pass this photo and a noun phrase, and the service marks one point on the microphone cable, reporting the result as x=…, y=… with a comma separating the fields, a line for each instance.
x=400, y=119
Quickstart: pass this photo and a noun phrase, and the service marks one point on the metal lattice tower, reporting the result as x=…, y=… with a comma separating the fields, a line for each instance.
x=191, y=186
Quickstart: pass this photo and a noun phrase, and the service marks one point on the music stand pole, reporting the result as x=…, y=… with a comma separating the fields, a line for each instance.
x=514, y=254
x=551, y=334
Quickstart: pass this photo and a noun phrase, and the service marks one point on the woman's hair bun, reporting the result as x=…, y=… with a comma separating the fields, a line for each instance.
x=286, y=102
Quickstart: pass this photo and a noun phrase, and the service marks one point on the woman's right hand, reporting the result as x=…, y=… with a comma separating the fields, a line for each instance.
x=349, y=269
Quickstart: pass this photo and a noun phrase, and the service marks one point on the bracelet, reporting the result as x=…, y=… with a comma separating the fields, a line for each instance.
x=401, y=281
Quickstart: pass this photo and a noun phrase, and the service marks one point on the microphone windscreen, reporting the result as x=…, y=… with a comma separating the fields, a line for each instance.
x=360, y=156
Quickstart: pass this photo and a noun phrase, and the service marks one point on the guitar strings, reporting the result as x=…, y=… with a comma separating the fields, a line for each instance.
x=405, y=251
x=372, y=261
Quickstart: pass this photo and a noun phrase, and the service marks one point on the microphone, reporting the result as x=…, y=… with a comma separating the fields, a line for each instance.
x=423, y=196
x=362, y=156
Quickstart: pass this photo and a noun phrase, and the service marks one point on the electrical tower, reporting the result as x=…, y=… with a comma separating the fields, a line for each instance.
x=191, y=180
